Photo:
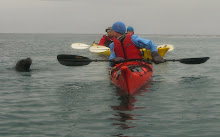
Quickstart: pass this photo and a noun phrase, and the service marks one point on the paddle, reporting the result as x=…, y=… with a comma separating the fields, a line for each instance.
x=75, y=60
x=190, y=60
x=98, y=49
x=80, y=46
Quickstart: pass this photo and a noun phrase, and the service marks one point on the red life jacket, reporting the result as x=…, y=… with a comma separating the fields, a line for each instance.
x=131, y=51
x=105, y=41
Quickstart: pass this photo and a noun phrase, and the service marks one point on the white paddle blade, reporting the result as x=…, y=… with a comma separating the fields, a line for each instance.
x=98, y=49
x=80, y=46
x=166, y=45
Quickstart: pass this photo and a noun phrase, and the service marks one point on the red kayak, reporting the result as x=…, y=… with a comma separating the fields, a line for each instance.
x=131, y=76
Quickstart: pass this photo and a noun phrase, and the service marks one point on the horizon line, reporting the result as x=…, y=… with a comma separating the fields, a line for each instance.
x=104, y=34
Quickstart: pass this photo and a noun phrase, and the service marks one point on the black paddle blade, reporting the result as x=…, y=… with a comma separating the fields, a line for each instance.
x=194, y=60
x=73, y=60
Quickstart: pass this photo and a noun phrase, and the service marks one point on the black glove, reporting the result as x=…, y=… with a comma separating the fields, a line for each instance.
x=156, y=58
x=116, y=60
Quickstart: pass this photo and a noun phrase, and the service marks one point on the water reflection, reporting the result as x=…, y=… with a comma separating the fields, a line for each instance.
x=124, y=117
x=195, y=81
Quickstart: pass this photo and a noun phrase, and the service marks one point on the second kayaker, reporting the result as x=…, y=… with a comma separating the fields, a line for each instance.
x=106, y=40
x=127, y=46
x=130, y=29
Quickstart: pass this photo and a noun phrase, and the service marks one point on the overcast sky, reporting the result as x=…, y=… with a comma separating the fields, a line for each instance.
x=94, y=16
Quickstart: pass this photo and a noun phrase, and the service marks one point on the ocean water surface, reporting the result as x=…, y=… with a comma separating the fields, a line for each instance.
x=56, y=100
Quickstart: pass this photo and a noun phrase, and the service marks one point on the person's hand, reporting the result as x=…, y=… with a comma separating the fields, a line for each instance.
x=116, y=60
x=156, y=58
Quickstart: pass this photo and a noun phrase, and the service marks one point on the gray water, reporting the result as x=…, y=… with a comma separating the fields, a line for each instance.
x=55, y=100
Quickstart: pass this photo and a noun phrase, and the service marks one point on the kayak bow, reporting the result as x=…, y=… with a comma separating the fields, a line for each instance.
x=131, y=76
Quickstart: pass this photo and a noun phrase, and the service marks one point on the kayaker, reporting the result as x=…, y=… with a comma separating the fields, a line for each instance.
x=130, y=29
x=106, y=40
x=126, y=46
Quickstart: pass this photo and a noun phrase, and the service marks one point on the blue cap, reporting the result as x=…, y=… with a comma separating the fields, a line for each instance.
x=129, y=28
x=119, y=27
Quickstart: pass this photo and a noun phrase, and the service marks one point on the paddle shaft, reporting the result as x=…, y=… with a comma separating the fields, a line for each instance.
x=75, y=60
x=105, y=60
x=184, y=60
x=91, y=60
x=171, y=60
x=126, y=60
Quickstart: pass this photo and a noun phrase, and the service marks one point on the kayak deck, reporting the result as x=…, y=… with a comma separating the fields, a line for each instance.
x=131, y=76
x=161, y=50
